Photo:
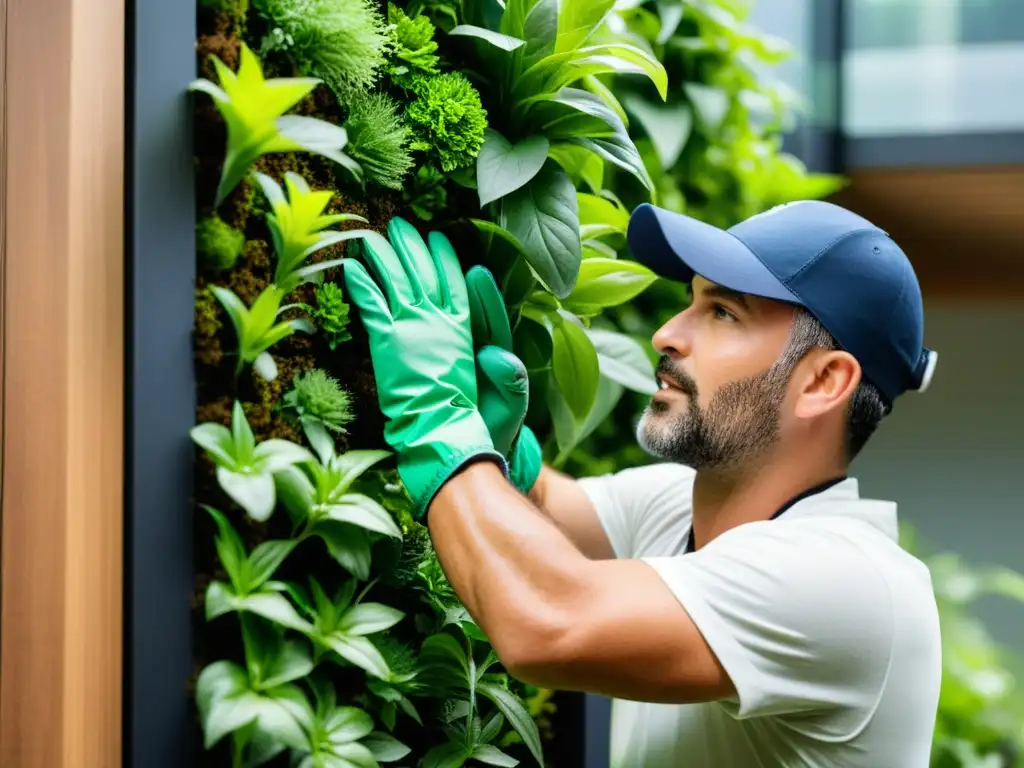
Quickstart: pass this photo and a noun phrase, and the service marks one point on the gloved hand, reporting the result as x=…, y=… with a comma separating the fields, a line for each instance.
x=421, y=345
x=502, y=382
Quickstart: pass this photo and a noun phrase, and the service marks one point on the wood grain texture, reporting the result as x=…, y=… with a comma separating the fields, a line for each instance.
x=60, y=671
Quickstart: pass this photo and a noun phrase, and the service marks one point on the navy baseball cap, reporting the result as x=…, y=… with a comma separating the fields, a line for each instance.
x=847, y=272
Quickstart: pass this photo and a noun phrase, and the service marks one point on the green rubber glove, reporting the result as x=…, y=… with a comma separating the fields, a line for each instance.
x=502, y=383
x=421, y=343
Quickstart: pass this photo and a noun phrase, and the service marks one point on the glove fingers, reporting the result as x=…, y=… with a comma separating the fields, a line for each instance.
x=452, y=282
x=365, y=294
x=487, y=310
x=390, y=271
x=502, y=395
x=418, y=262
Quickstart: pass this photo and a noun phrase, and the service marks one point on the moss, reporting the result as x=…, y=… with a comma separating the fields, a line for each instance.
x=218, y=243
x=205, y=339
x=254, y=273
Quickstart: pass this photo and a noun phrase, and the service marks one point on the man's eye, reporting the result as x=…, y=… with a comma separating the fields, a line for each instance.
x=721, y=313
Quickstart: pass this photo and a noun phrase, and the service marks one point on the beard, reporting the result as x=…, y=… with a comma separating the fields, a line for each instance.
x=737, y=428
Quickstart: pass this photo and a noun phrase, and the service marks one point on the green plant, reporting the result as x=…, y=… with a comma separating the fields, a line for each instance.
x=257, y=328
x=254, y=108
x=319, y=404
x=413, y=48
x=245, y=470
x=218, y=243
x=448, y=119
x=343, y=42
x=330, y=314
x=426, y=194
x=379, y=139
x=298, y=227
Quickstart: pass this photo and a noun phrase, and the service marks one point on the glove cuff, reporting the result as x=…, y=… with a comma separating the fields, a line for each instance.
x=525, y=460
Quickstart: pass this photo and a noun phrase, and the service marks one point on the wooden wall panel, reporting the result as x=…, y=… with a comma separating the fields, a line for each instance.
x=60, y=656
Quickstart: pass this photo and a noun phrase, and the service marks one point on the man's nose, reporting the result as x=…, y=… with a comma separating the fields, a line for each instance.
x=673, y=338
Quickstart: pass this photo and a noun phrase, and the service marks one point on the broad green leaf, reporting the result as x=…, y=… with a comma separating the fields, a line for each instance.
x=491, y=755
x=348, y=545
x=578, y=20
x=670, y=13
x=596, y=210
x=230, y=550
x=582, y=165
x=667, y=125
x=265, y=560
x=621, y=151
x=710, y=103
x=292, y=662
x=218, y=600
x=368, y=618
x=252, y=492
x=216, y=440
x=498, y=40
x=320, y=137
x=351, y=755
x=503, y=167
x=224, y=701
x=346, y=724
x=319, y=437
x=385, y=748
x=360, y=510
x=443, y=649
x=543, y=216
x=606, y=283
x=227, y=704
x=352, y=464
x=492, y=727
x=517, y=716
x=624, y=361
x=272, y=606
x=575, y=366
x=449, y=755
x=293, y=487
x=569, y=431
x=360, y=652
x=536, y=22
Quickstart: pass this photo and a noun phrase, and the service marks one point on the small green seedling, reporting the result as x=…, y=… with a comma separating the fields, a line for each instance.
x=298, y=227
x=257, y=327
x=245, y=470
x=253, y=108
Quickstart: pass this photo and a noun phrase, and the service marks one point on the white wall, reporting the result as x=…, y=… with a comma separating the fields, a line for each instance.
x=953, y=457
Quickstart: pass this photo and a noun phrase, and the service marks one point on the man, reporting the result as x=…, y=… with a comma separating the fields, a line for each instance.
x=740, y=600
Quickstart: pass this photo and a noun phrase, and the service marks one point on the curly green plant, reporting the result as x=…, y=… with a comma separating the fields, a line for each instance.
x=218, y=243
x=379, y=139
x=413, y=48
x=330, y=315
x=448, y=118
x=298, y=227
x=319, y=404
x=253, y=109
x=343, y=42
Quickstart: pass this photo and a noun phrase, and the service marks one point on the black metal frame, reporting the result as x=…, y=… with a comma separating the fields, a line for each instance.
x=160, y=404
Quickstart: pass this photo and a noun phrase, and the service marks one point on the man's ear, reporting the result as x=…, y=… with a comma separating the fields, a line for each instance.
x=828, y=381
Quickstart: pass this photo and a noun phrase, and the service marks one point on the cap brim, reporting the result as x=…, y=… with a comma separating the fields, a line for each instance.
x=677, y=247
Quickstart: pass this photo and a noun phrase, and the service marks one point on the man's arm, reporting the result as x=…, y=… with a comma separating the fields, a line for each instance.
x=556, y=618
x=562, y=499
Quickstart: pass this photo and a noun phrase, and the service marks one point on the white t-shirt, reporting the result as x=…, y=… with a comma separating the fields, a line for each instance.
x=827, y=627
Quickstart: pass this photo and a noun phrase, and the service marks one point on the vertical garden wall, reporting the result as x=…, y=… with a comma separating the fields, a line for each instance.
x=268, y=137
x=325, y=633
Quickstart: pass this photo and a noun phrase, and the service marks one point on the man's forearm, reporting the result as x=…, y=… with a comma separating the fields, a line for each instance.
x=516, y=573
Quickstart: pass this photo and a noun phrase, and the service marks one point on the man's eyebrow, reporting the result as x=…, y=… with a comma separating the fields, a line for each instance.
x=721, y=292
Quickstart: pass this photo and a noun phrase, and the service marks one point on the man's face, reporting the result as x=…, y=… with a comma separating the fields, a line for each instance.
x=721, y=409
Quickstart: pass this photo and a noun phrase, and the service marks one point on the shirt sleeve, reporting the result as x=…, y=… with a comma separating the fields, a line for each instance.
x=643, y=510
x=801, y=621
